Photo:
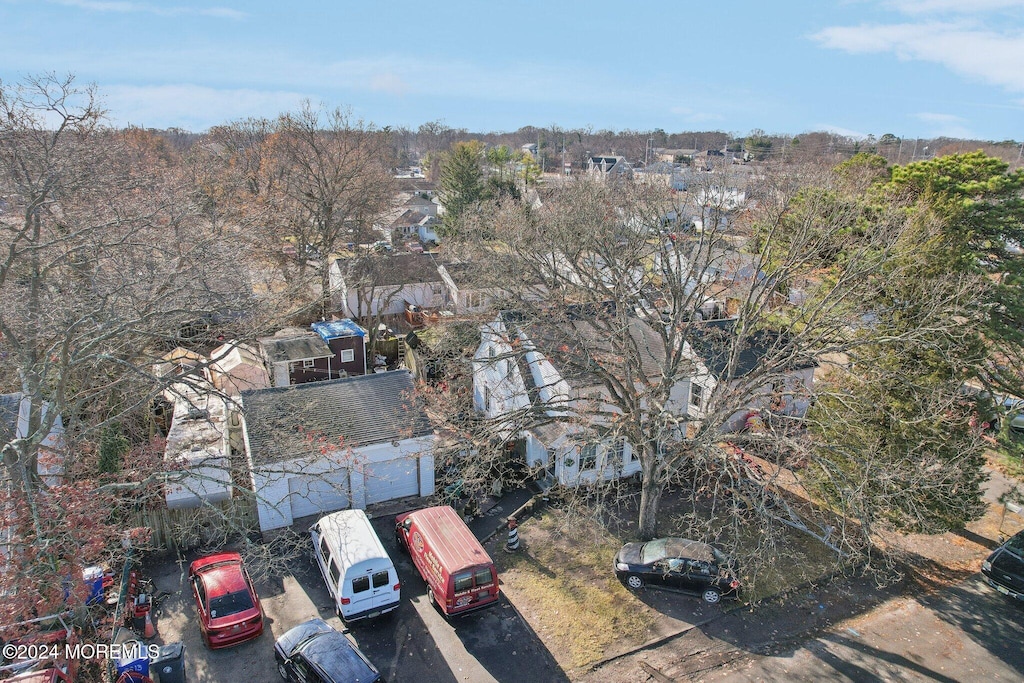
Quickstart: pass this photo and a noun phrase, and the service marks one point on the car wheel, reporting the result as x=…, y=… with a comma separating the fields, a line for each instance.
x=281, y=670
x=711, y=596
x=634, y=582
x=430, y=597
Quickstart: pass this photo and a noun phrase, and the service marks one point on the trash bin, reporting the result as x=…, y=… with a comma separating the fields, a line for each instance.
x=137, y=662
x=93, y=578
x=169, y=665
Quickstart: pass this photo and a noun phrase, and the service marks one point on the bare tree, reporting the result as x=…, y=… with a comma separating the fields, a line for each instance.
x=103, y=266
x=617, y=297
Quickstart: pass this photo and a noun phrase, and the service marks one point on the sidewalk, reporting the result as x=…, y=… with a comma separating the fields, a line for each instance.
x=494, y=512
x=493, y=517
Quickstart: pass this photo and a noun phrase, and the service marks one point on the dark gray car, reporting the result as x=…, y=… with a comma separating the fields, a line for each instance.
x=679, y=564
x=1004, y=568
x=316, y=653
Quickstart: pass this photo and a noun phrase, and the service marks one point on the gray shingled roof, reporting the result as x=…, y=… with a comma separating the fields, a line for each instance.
x=291, y=422
x=713, y=342
x=305, y=347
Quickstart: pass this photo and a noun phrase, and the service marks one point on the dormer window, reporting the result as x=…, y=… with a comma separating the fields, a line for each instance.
x=696, y=395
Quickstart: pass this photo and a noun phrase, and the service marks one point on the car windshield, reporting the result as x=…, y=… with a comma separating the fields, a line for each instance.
x=653, y=551
x=1016, y=545
x=230, y=603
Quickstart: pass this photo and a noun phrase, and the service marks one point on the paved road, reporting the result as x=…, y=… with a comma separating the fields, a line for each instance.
x=967, y=632
x=415, y=644
x=964, y=633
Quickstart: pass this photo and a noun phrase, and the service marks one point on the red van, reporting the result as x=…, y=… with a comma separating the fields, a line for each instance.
x=459, y=573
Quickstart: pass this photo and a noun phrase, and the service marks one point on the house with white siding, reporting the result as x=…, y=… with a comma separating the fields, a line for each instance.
x=324, y=446
x=564, y=417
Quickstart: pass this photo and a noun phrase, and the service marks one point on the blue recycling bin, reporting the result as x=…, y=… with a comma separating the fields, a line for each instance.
x=93, y=578
x=139, y=662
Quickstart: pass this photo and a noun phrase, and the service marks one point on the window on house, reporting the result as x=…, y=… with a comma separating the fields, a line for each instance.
x=620, y=451
x=348, y=355
x=490, y=352
x=487, y=398
x=696, y=395
x=588, y=457
x=306, y=364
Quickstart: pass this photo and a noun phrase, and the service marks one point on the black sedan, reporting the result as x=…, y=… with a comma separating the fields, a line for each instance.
x=680, y=564
x=1004, y=568
x=315, y=652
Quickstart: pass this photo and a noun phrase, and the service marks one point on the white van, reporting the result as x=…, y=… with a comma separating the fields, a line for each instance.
x=359, y=574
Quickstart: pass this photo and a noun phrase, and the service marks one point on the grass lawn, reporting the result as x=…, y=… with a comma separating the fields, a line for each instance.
x=563, y=583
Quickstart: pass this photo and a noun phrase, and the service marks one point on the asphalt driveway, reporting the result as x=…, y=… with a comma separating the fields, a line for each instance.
x=415, y=643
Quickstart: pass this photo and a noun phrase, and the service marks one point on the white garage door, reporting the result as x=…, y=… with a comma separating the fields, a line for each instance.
x=392, y=479
x=314, y=494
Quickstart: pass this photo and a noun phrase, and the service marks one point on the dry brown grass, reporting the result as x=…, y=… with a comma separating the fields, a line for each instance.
x=562, y=581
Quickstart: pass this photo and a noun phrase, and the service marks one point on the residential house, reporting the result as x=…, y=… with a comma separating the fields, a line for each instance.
x=786, y=393
x=382, y=284
x=425, y=230
x=235, y=367
x=347, y=341
x=563, y=416
x=406, y=225
x=314, y=448
x=609, y=167
x=513, y=377
x=296, y=356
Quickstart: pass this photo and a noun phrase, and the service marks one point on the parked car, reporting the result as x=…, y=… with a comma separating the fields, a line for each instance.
x=1012, y=409
x=315, y=652
x=1004, y=568
x=680, y=564
x=227, y=605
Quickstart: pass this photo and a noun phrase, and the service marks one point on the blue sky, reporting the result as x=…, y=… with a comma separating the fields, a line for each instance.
x=914, y=68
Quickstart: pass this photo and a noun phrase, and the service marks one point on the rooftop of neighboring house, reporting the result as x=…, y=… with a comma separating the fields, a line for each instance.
x=333, y=329
x=408, y=218
x=283, y=423
x=198, y=428
x=418, y=200
x=294, y=344
x=714, y=341
x=384, y=270
x=562, y=341
x=608, y=163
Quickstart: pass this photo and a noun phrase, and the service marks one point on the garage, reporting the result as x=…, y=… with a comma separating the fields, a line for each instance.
x=315, y=494
x=392, y=479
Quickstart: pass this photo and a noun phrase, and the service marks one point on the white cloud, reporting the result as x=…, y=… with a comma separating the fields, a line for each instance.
x=193, y=106
x=125, y=7
x=946, y=125
x=967, y=50
x=972, y=7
